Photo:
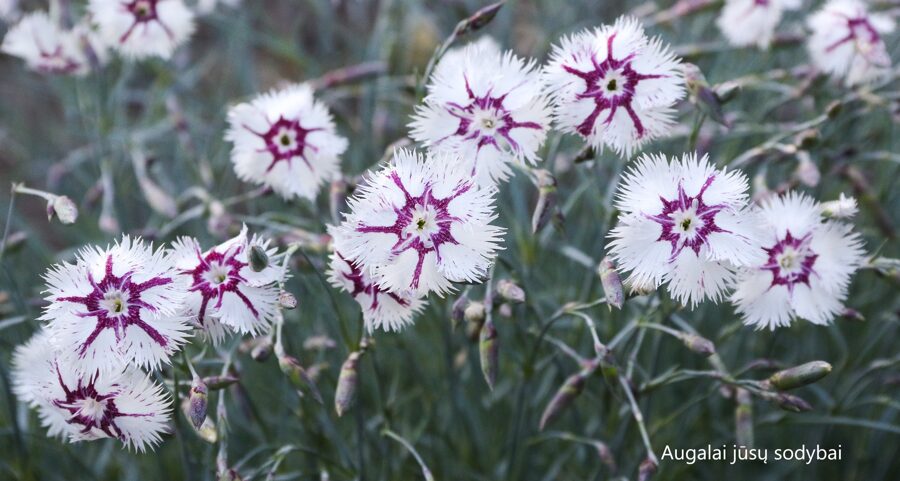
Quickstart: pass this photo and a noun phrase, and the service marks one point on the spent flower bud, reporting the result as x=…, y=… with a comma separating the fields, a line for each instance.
x=198, y=401
x=64, y=209
x=345, y=393
x=570, y=389
x=611, y=282
x=789, y=402
x=489, y=349
x=287, y=300
x=474, y=313
x=647, y=469
x=457, y=312
x=262, y=350
x=547, y=199
x=799, y=375
x=298, y=376
x=510, y=291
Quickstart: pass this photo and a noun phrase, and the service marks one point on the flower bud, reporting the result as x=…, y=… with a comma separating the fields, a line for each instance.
x=219, y=382
x=198, y=401
x=474, y=313
x=547, y=198
x=287, y=300
x=789, y=402
x=647, y=469
x=807, y=172
x=605, y=455
x=834, y=109
x=230, y=475
x=489, y=349
x=345, y=393
x=800, y=375
x=262, y=350
x=510, y=291
x=563, y=398
x=63, y=208
x=698, y=344
x=612, y=284
x=479, y=19
x=298, y=376
x=853, y=315
x=457, y=312
x=259, y=260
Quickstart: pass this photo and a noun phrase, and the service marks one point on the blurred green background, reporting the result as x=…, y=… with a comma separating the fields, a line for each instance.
x=425, y=383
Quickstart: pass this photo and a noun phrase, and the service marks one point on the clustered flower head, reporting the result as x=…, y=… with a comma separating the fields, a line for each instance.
x=806, y=269
x=752, y=22
x=119, y=310
x=846, y=41
x=286, y=140
x=419, y=225
x=48, y=48
x=613, y=86
x=685, y=223
x=485, y=106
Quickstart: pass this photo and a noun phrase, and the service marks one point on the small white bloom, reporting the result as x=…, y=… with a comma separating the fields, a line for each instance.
x=842, y=208
x=47, y=48
x=614, y=86
x=381, y=309
x=143, y=28
x=125, y=405
x=846, y=42
x=225, y=292
x=420, y=224
x=207, y=6
x=686, y=223
x=752, y=22
x=806, y=270
x=487, y=107
x=285, y=139
x=115, y=306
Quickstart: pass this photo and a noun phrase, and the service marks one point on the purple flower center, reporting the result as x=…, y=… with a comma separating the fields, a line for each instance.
x=790, y=261
x=486, y=121
x=687, y=221
x=423, y=224
x=285, y=140
x=611, y=84
x=116, y=304
x=860, y=31
x=362, y=286
x=217, y=274
x=144, y=12
x=91, y=409
x=56, y=62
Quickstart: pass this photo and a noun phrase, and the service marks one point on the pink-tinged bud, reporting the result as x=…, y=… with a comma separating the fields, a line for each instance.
x=510, y=291
x=262, y=350
x=605, y=455
x=807, y=171
x=563, y=398
x=786, y=401
x=489, y=349
x=547, y=199
x=298, y=376
x=345, y=393
x=743, y=418
x=63, y=208
x=230, y=475
x=458, y=311
x=219, y=222
x=319, y=343
x=799, y=375
x=479, y=19
x=647, y=469
x=287, y=300
x=198, y=401
x=505, y=310
x=698, y=344
x=215, y=383
x=611, y=282
x=853, y=315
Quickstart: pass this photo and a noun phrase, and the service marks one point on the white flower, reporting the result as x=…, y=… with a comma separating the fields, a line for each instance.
x=286, y=140
x=686, y=223
x=125, y=405
x=485, y=106
x=9, y=9
x=846, y=42
x=806, y=270
x=47, y=48
x=114, y=306
x=842, y=208
x=614, y=86
x=381, y=309
x=143, y=28
x=207, y=6
x=420, y=224
x=752, y=22
x=225, y=292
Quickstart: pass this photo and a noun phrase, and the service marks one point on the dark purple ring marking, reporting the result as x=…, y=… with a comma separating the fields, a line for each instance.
x=781, y=275
x=226, y=279
x=701, y=211
x=144, y=12
x=277, y=141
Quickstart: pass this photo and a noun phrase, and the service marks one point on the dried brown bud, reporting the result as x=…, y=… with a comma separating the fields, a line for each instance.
x=611, y=282
x=510, y=291
x=563, y=398
x=800, y=375
x=489, y=349
x=298, y=376
x=287, y=300
x=474, y=313
x=345, y=393
x=198, y=401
